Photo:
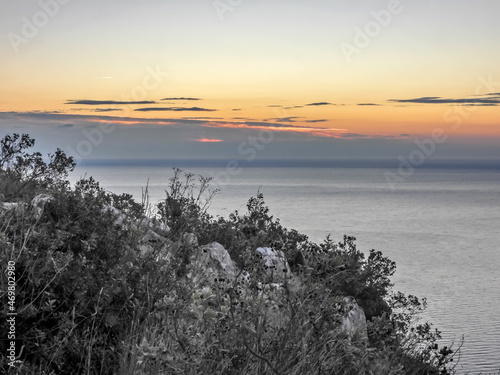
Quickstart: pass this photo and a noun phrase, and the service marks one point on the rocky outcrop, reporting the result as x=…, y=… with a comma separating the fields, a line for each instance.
x=150, y=227
x=37, y=204
x=212, y=262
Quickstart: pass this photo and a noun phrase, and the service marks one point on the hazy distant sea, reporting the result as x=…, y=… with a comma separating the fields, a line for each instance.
x=441, y=226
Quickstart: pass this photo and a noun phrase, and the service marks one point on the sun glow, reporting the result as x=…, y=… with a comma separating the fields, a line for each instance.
x=209, y=140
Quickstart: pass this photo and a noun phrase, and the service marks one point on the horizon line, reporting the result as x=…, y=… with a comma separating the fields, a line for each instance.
x=292, y=163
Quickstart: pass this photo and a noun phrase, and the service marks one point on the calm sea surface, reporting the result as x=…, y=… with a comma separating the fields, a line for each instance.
x=441, y=226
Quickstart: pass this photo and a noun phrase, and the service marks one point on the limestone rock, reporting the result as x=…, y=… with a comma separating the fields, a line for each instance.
x=354, y=319
x=214, y=262
x=7, y=206
x=38, y=203
x=119, y=218
x=277, y=267
x=145, y=224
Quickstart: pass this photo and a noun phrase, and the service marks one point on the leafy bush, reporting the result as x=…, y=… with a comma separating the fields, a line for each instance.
x=97, y=294
x=21, y=172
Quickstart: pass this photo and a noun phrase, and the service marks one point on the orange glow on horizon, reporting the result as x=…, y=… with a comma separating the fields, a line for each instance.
x=209, y=140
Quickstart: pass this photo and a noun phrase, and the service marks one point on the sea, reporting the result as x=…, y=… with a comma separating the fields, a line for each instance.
x=440, y=226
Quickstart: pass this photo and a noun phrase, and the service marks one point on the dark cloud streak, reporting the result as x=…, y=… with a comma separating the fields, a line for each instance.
x=107, y=109
x=480, y=101
x=181, y=98
x=174, y=109
x=107, y=102
x=318, y=104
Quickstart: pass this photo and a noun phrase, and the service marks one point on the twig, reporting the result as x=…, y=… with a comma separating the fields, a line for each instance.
x=260, y=357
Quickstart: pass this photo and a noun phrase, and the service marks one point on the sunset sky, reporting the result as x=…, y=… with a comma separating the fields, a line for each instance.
x=321, y=79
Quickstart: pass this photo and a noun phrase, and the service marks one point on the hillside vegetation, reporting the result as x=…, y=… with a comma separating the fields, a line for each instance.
x=108, y=285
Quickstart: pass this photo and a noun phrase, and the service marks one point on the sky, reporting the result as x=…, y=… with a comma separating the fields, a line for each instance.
x=254, y=79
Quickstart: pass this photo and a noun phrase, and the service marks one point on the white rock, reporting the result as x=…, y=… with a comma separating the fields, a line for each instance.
x=38, y=203
x=354, y=319
x=10, y=206
x=146, y=222
x=213, y=261
x=119, y=218
x=276, y=263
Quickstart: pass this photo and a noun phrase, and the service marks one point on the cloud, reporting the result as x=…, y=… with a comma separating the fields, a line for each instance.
x=80, y=120
x=202, y=118
x=107, y=102
x=40, y=112
x=478, y=101
x=354, y=135
x=318, y=103
x=175, y=139
x=107, y=109
x=66, y=126
x=370, y=136
x=284, y=119
x=483, y=105
x=236, y=109
x=195, y=124
x=207, y=128
x=313, y=121
x=368, y=104
x=284, y=128
x=174, y=109
x=295, y=106
x=181, y=98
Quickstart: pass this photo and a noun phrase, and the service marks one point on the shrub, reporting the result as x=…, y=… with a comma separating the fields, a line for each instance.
x=96, y=296
x=22, y=172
